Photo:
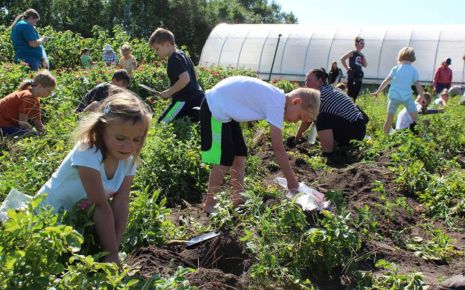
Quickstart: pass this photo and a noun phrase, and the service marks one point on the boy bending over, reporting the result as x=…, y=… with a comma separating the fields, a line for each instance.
x=241, y=99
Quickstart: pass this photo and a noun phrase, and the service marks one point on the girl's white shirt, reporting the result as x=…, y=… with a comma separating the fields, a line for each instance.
x=64, y=189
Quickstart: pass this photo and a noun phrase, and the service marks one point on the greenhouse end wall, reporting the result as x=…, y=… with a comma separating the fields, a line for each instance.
x=291, y=50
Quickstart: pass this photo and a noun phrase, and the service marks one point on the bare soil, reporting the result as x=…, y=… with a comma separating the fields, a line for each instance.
x=222, y=262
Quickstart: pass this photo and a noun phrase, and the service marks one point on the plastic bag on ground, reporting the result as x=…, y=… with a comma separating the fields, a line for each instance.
x=307, y=197
x=14, y=200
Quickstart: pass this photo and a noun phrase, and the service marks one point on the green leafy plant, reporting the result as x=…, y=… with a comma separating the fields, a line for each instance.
x=32, y=243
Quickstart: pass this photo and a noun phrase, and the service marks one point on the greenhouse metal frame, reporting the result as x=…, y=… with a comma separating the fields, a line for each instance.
x=297, y=49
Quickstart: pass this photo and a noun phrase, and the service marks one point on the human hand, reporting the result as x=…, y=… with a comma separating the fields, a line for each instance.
x=43, y=39
x=165, y=94
x=293, y=186
x=44, y=63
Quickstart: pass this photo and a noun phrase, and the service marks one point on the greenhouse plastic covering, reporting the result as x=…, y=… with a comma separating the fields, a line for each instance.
x=304, y=47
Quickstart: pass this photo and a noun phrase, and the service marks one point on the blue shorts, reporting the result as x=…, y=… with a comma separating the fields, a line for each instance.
x=409, y=104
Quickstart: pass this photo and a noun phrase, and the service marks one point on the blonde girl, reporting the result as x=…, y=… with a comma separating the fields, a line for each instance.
x=127, y=61
x=401, y=77
x=101, y=166
x=19, y=107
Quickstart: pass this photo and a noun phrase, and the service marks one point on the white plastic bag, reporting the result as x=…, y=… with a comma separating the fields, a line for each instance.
x=312, y=135
x=14, y=200
x=307, y=197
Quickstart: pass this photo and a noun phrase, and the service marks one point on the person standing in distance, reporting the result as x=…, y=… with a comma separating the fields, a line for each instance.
x=27, y=43
x=354, y=70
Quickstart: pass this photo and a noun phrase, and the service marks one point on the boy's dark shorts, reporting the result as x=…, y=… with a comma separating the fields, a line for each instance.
x=179, y=109
x=220, y=142
x=343, y=130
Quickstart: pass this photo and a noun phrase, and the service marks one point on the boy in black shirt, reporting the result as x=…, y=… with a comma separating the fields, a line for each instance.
x=184, y=89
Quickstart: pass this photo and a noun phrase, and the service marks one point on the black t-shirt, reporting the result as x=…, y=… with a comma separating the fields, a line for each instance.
x=335, y=76
x=98, y=93
x=355, y=64
x=178, y=63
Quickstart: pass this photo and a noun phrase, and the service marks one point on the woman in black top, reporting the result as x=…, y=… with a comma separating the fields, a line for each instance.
x=339, y=120
x=335, y=74
x=354, y=70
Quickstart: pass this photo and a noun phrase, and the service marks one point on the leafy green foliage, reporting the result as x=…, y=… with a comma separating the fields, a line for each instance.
x=147, y=224
x=391, y=279
x=190, y=20
x=31, y=246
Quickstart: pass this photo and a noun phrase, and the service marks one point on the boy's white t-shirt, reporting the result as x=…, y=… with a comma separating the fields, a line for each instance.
x=438, y=101
x=243, y=99
x=64, y=189
x=404, y=120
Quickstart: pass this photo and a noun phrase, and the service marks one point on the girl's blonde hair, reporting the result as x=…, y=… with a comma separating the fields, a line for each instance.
x=125, y=47
x=406, y=54
x=124, y=106
x=43, y=78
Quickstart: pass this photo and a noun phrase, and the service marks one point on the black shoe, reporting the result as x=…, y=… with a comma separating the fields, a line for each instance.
x=332, y=159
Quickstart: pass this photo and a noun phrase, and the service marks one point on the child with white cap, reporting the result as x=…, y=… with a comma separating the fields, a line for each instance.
x=109, y=55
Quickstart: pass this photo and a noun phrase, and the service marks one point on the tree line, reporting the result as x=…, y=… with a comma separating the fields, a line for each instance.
x=190, y=20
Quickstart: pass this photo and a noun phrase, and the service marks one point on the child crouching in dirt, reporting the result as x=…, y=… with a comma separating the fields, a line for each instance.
x=241, y=99
x=19, y=107
x=404, y=120
x=101, y=166
x=443, y=99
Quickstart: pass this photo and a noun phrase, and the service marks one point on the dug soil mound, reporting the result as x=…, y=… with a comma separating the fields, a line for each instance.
x=399, y=218
x=220, y=263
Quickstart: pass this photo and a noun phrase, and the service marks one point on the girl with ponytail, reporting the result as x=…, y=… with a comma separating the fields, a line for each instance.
x=27, y=42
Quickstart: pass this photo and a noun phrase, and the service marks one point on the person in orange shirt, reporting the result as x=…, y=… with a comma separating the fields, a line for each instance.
x=19, y=107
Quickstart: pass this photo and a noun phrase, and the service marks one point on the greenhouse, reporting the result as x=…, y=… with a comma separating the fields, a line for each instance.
x=288, y=51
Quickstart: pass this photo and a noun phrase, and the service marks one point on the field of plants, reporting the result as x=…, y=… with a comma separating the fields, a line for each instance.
x=397, y=221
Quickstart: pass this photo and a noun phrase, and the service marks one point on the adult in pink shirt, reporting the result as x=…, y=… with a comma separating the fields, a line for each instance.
x=442, y=77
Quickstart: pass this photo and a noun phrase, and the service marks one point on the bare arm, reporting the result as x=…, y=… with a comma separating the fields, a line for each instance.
x=436, y=77
x=382, y=86
x=344, y=59
x=103, y=215
x=120, y=207
x=23, y=123
x=303, y=126
x=36, y=43
x=134, y=63
x=92, y=107
x=282, y=159
x=419, y=88
x=364, y=61
x=183, y=80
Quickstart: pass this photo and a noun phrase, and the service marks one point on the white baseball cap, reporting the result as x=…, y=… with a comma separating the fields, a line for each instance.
x=107, y=48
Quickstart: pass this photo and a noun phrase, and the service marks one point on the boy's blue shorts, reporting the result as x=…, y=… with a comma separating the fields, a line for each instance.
x=394, y=104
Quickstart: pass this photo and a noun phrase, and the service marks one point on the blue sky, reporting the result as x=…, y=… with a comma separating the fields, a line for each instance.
x=376, y=12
